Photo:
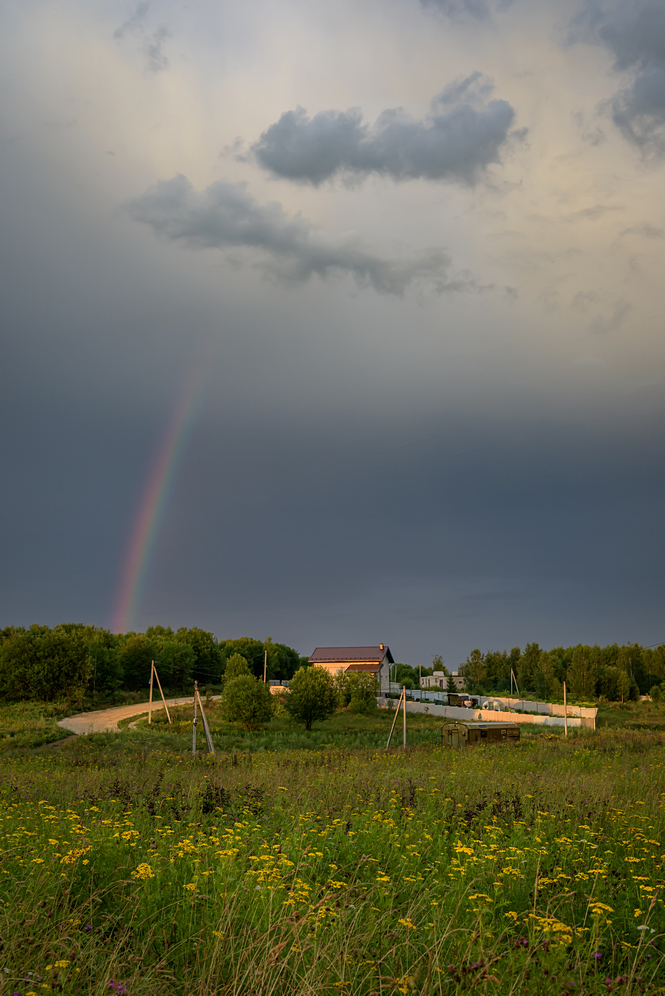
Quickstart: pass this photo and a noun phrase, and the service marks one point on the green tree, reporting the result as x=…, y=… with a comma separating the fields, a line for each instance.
x=136, y=651
x=438, y=665
x=236, y=667
x=363, y=689
x=581, y=677
x=247, y=701
x=450, y=685
x=474, y=669
x=404, y=674
x=312, y=696
x=207, y=664
x=527, y=667
x=497, y=664
x=175, y=663
x=44, y=663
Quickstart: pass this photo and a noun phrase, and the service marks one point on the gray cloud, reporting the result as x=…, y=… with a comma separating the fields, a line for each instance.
x=463, y=133
x=646, y=230
x=151, y=43
x=634, y=31
x=479, y=10
x=226, y=216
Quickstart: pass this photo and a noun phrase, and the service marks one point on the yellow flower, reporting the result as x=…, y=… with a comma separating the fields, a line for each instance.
x=62, y=964
x=191, y=886
x=143, y=871
x=407, y=922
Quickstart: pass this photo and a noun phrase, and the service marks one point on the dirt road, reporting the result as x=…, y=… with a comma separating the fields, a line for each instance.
x=106, y=720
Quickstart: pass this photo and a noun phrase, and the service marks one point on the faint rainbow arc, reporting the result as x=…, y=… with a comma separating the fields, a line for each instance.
x=155, y=497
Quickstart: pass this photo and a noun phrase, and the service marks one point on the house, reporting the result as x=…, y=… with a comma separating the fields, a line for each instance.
x=350, y=660
x=439, y=680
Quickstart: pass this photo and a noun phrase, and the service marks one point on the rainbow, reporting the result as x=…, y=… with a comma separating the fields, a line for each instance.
x=155, y=497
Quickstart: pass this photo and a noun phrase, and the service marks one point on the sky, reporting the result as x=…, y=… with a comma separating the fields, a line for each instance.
x=333, y=322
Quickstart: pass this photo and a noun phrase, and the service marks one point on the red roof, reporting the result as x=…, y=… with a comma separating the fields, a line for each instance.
x=351, y=655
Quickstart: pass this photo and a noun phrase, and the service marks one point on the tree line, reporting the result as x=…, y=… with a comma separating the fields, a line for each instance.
x=73, y=660
x=615, y=672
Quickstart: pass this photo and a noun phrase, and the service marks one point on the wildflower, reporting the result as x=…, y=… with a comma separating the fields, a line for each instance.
x=143, y=871
x=62, y=964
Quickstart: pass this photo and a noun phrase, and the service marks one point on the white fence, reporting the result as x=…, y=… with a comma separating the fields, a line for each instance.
x=527, y=705
x=489, y=715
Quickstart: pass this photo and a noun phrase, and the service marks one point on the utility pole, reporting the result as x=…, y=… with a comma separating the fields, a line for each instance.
x=565, y=711
x=196, y=695
x=152, y=671
x=265, y=665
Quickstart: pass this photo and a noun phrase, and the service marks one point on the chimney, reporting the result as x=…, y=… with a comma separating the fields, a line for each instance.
x=381, y=647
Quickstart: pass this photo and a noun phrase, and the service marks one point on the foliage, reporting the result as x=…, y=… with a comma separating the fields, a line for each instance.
x=438, y=665
x=404, y=674
x=44, y=663
x=282, y=662
x=474, y=669
x=312, y=696
x=247, y=701
x=533, y=869
x=236, y=667
x=359, y=691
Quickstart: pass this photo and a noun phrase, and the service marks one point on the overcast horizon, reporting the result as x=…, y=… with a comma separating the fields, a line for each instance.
x=410, y=255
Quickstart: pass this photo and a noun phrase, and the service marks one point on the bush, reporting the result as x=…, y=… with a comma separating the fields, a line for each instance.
x=312, y=696
x=247, y=701
x=236, y=667
x=363, y=692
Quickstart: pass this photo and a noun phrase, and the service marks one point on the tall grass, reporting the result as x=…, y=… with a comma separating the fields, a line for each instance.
x=128, y=867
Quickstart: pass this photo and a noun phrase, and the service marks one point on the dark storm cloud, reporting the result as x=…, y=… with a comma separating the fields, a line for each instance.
x=226, y=216
x=152, y=43
x=463, y=133
x=634, y=32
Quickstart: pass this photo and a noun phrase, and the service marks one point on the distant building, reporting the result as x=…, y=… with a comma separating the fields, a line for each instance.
x=350, y=660
x=439, y=680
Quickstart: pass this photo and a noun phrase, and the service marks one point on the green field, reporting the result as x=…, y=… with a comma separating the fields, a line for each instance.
x=129, y=867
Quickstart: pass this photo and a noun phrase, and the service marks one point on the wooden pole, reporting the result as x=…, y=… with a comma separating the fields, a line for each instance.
x=265, y=665
x=152, y=671
x=161, y=692
x=206, y=728
x=196, y=694
x=394, y=721
x=565, y=710
x=404, y=715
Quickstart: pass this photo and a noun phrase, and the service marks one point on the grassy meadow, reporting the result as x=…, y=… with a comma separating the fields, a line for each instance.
x=128, y=867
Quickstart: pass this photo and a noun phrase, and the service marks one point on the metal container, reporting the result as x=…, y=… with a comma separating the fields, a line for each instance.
x=466, y=734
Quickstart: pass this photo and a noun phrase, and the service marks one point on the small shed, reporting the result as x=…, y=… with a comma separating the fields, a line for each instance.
x=465, y=734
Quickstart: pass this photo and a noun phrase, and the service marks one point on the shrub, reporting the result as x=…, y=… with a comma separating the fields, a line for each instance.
x=247, y=701
x=236, y=667
x=312, y=696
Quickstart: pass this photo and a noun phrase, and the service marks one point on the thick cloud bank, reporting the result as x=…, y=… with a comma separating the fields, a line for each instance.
x=225, y=216
x=463, y=133
x=634, y=31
